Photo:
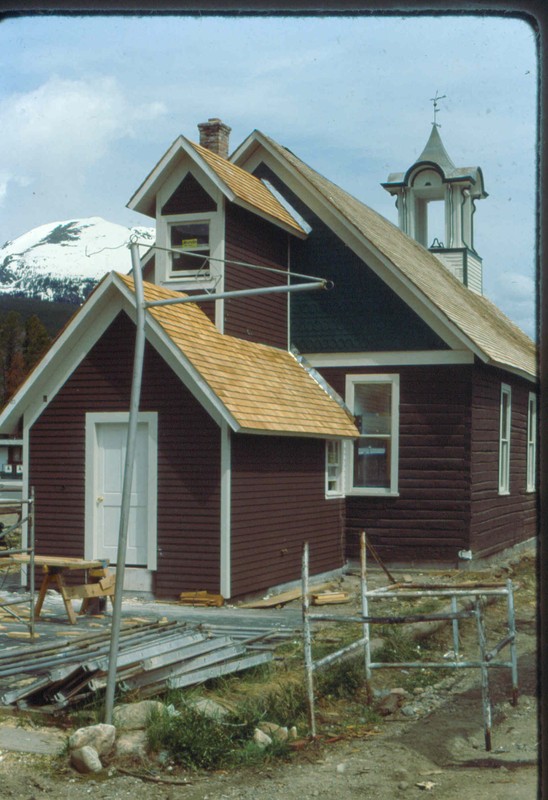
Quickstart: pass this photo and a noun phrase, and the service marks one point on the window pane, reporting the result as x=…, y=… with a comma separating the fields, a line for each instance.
x=372, y=463
x=190, y=235
x=372, y=407
x=192, y=238
x=504, y=415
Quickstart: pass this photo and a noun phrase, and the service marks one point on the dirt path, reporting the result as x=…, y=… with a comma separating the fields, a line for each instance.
x=432, y=746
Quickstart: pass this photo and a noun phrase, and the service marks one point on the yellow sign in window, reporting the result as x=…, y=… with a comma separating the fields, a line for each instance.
x=187, y=244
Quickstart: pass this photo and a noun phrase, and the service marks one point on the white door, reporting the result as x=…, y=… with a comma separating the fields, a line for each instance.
x=108, y=440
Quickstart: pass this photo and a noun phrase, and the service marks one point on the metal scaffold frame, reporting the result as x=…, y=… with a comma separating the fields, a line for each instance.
x=476, y=594
x=24, y=505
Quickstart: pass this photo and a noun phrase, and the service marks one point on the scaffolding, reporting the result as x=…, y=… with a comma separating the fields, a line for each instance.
x=476, y=596
x=23, y=509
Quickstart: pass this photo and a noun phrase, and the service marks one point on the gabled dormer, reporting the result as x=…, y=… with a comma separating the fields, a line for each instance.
x=433, y=179
x=188, y=207
x=191, y=194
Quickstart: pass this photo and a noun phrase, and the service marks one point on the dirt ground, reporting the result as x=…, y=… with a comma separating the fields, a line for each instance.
x=436, y=748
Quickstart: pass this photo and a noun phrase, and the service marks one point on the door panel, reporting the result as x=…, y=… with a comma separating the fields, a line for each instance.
x=109, y=476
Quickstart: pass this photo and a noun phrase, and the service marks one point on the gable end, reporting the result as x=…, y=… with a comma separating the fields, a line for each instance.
x=189, y=197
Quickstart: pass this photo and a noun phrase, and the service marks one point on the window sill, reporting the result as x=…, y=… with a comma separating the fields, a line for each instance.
x=371, y=493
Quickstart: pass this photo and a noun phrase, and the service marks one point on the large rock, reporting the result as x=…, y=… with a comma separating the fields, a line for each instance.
x=209, y=708
x=86, y=759
x=135, y=716
x=100, y=737
x=276, y=732
x=261, y=739
x=132, y=744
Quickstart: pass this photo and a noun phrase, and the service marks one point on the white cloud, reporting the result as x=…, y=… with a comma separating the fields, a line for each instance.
x=514, y=293
x=54, y=133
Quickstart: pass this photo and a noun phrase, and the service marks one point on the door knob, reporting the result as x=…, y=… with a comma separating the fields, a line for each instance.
x=100, y=499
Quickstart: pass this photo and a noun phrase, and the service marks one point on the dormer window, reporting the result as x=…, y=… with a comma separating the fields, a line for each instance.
x=191, y=242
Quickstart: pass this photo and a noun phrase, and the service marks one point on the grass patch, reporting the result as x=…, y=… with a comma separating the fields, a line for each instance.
x=342, y=680
x=191, y=739
x=194, y=741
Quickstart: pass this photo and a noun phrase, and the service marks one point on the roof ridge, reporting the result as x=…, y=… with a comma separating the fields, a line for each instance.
x=478, y=318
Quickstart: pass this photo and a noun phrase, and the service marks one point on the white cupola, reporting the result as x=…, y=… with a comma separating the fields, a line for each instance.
x=433, y=178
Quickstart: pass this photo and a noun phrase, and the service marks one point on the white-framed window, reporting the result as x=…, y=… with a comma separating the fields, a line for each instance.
x=197, y=237
x=504, y=438
x=373, y=460
x=532, y=442
x=334, y=468
x=189, y=240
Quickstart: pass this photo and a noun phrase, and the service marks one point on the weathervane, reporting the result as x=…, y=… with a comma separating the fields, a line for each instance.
x=435, y=101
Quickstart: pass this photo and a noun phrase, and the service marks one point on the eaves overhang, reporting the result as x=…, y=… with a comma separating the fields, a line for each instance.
x=318, y=194
x=363, y=246
x=144, y=199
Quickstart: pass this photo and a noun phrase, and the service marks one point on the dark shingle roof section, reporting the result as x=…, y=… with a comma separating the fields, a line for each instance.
x=496, y=338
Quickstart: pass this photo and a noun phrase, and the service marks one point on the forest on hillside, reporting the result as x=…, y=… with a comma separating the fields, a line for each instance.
x=27, y=328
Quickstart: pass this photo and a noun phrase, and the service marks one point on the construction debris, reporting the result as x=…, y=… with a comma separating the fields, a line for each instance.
x=275, y=600
x=152, y=657
x=201, y=598
x=329, y=598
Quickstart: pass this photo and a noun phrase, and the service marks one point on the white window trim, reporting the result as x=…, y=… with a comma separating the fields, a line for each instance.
x=504, y=440
x=200, y=274
x=532, y=442
x=339, y=491
x=394, y=379
x=177, y=279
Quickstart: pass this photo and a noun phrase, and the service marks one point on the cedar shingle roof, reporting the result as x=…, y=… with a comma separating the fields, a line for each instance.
x=247, y=187
x=264, y=389
x=500, y=341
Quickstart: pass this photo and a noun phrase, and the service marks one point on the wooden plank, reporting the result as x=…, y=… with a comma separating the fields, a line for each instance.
x=87, y=590
x=280, y=599
x=201, y=598
x=326, y=598
x=60, y=562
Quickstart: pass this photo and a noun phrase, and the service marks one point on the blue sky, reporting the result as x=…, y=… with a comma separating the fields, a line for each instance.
x=88, y=105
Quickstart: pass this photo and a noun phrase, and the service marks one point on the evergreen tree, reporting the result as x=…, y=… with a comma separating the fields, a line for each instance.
x=36, y=341
x=11, y=339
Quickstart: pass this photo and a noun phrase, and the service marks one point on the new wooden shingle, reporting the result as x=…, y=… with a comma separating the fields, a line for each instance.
x=263, y=388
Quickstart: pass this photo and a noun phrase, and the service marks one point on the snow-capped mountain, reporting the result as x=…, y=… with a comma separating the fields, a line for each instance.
x=63, y=261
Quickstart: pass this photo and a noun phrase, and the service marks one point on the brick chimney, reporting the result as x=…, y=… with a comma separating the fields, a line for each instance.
x=214, y=135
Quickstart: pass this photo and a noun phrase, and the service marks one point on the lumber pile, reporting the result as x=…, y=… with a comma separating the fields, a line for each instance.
x=328, y=598
x=153, y=656
x=201, y=598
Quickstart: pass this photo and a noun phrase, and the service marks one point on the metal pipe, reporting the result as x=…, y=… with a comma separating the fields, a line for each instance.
x=468, y=592
x=32, y=622
x=365, y=609
x=486, y=700
x=331, y=657
x=309, y=666
x=455, y=625
x=128, y=478
x=513, y=646
x=198, y=298
x=437, y=664
x=388, y=619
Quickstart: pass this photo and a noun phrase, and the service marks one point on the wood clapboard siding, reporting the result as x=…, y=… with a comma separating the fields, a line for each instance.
x=499, y=521
x=278, y=503
x=190, y=197
x=252, y=240
x=188, y=462
x=430, y=519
